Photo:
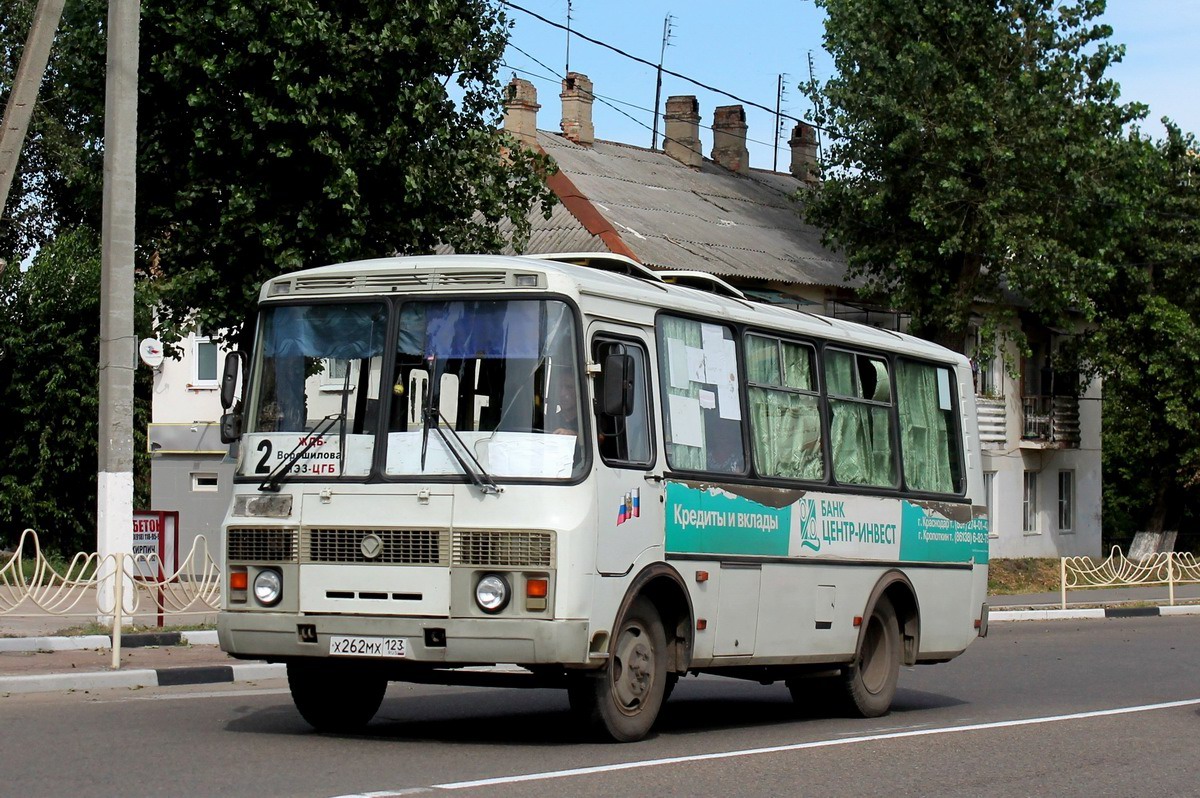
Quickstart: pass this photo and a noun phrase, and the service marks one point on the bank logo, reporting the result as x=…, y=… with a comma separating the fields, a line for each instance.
x=809, y=538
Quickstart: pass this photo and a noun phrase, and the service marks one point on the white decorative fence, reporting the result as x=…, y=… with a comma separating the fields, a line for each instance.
x=111, y=590
x=1161, y=568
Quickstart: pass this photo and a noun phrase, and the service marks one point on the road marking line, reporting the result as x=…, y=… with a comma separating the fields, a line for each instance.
x=775, y=749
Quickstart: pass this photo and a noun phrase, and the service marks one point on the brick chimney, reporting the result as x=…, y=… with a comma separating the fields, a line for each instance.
x=577, y=109
x=804, y=153
x=729, y=138
x=681, y=139
x=520, y=111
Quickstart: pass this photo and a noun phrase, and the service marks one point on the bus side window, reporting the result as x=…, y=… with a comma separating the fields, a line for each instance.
x=624, y=440
x=701, y=396
x=860, y=416
x=929, y=435
x=785, y=412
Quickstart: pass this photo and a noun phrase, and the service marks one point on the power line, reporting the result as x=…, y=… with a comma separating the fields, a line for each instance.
x=937, y=166
x=643, y=61
x=604, y=99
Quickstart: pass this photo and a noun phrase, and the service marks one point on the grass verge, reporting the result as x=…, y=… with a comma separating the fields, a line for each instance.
x=1010, y=576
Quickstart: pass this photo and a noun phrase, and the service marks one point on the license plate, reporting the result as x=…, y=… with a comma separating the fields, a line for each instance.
x=353, y=646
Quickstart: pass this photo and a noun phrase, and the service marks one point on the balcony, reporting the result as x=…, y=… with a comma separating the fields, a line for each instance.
x=1050, y=422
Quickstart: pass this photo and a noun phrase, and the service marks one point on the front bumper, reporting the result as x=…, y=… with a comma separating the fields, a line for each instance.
x=468, y=641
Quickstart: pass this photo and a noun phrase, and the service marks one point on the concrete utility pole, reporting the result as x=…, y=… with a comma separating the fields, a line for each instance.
x=24, y=92
x=114, y=532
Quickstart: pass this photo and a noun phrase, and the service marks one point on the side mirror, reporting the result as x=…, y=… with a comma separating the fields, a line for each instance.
x=617, y=397
x=231, y=427
x=235, y=362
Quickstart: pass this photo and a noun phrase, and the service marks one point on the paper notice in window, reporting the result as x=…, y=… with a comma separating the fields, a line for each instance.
x=720, y=359
x=677, y=353
x=708, y=400
x=695, y=365
x=687, y=429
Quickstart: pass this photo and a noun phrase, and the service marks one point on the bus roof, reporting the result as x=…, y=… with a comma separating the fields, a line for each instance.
x=602, y=276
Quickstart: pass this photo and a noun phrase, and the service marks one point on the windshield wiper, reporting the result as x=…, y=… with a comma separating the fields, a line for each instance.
x=428, y=414
x=275, y=478
x=478, y=475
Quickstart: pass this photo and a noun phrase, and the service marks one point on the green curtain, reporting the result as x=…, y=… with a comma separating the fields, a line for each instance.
x=786, y=432
x=785, y=427
x=762, y=360
x=924, y=434
x=860, y=434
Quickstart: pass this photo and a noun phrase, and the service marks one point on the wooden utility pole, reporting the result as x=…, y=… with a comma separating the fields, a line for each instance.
x=23, y=96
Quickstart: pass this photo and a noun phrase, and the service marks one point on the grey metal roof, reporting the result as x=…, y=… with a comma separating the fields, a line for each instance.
x=562, y=232
x=707, y=219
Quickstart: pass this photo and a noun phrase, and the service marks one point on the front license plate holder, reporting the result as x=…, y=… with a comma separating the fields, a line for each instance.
x=362, y=646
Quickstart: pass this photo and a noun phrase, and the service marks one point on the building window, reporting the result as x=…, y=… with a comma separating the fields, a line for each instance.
x=205, y=359
x=334, y=374
x=1029, y=504
x=204, y=483
x=989, y=501
x=1066, y=501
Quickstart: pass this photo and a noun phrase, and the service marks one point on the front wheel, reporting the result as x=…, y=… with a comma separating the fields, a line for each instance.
x=870, y=680
x=623, y=700
x=335, y=699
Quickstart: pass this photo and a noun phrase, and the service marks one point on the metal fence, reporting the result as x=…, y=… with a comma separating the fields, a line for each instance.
x=1161, y=568
x=112, y=590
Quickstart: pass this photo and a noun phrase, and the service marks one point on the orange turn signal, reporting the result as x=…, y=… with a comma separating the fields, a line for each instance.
x=536, y=588
x=238, y=580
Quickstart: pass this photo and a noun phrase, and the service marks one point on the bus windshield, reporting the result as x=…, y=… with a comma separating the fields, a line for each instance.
x=502, y=374
x=485, y=388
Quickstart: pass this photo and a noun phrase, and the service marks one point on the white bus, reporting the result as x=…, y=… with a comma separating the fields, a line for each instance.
x=606, y=477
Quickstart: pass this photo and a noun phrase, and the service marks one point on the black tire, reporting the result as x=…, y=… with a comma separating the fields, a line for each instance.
x=672, y=680
x=622, y=701
x=333, y=697
x=818, y=696
x=870, y=681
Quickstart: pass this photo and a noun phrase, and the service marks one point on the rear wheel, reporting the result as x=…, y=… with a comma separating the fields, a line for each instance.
x=870, y=681
x=623, y=700
x=333, y=697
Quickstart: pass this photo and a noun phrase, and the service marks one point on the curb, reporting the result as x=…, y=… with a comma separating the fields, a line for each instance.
x=88, y=642
x=138, y=678
x=1091, y=612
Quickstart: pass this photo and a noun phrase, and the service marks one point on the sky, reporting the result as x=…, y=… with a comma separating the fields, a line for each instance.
x=742, y=46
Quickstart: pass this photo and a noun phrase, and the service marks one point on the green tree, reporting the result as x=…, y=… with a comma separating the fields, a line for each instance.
x=49, y=336
x=1147, y=343
x=969, y=143
x=279, y=134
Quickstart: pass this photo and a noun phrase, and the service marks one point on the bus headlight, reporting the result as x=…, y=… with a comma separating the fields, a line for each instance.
x=268, y=587
x=492, y=593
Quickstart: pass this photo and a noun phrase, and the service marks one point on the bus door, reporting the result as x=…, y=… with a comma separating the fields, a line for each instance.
x=628, y=476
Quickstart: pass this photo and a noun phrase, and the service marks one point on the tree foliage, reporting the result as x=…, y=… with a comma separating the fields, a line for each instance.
x=1146, y=343
x=271, y=136
x=969, y=146
x=49, y=336
x=278, y=135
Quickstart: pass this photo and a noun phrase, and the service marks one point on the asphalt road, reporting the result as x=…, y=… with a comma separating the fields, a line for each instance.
x=1029, y=711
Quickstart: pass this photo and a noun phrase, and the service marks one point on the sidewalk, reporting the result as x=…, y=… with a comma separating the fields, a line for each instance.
x=34, y=657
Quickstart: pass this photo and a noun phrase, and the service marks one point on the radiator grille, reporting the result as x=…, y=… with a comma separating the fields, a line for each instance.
x=260, y=545
x=495, y=549
x=400, y=546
